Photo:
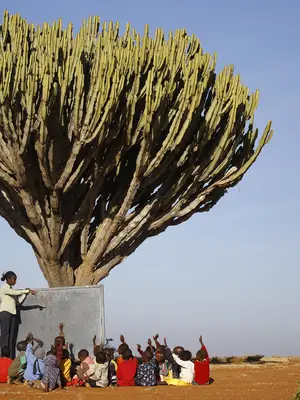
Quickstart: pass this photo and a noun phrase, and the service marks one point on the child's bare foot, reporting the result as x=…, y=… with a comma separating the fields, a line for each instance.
x=46, y=388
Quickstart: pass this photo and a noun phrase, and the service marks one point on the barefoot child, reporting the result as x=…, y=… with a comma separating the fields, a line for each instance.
x=17, y=367
x=51, y=379
x=35, y=360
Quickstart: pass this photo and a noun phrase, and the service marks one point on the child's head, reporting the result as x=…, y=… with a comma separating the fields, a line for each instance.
x=149, y=349
x=178, y=350
x=161, y=348
x=201, y=355
x=40, y=353
x=185, y=355
x=83, y=354
x=147, y=356
x=160, y=356
x=97, y=350
x=59, y=340
x=66, y=354
x=52, y=351
x=101, y=357
x=127, y=354
x=109, y=353
x=123, y=347
x=21, y=346
x=5, y=352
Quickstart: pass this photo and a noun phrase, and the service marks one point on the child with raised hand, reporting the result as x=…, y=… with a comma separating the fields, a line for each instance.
x=127, y=369
x=164, y=368
x=147, y=372
x=184, y=360
x=5, y=363
x=202, y=373
x=17, y=367
x=60, y=343
x=34, y=360
x=176, y=369
x=99, y=377
x=123, y=347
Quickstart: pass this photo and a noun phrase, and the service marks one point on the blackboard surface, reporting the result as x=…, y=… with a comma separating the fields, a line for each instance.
x=81, y=309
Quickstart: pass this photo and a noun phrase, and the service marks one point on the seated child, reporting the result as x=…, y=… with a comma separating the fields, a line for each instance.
x=127, y=369
x=65, y=367
x=149, y=348
x=35, y=361
x=184, y=360
x=123, y=347
x=97, y=347
x=112, y=367
x=99, y=378
x=17, y=367
x=176, y=369
x=87, y=365
x=164, y=370
x=60, y=343
x=51, y=379
x=5, y=363
x=202, y=366
x=146, y=372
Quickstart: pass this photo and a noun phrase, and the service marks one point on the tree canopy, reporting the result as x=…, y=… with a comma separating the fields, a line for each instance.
x=108, y=139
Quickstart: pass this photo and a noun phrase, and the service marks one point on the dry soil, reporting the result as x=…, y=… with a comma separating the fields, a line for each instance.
x=270, y=381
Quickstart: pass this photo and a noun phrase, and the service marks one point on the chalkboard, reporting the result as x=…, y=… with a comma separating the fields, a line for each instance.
x=81, y=309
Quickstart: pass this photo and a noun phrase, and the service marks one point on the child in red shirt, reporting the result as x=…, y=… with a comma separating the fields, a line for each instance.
x=127, y=369
x=202, y=366
x=5, y=363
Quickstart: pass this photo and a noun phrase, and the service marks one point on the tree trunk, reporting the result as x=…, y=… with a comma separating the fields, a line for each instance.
x=57, y=274
x=62, y=274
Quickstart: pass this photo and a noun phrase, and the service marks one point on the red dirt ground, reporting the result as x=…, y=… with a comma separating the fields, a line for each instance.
x=240, y=382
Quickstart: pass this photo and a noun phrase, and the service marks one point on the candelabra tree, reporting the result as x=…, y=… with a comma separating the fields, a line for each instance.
x=108, y=139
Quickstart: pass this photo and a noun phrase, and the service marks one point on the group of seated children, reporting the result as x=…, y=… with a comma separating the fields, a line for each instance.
x=158, y=365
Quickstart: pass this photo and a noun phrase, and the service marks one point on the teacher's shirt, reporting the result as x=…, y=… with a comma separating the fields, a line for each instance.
x=8, y=298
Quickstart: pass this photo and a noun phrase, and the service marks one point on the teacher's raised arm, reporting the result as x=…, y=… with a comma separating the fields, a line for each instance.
x=8, y=310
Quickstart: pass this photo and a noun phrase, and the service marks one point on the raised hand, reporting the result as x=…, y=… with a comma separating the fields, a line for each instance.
x=29, y=337
x=94, y=340
x=201, y=340
x=149, y=342
x=165, y=342
x=138, y=347
x=122, y=339
x=156, y=336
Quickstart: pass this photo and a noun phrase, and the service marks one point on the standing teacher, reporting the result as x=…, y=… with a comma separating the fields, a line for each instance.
x=10, y=298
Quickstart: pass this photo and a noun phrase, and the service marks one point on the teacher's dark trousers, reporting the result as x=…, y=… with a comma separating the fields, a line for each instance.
x=9, y=327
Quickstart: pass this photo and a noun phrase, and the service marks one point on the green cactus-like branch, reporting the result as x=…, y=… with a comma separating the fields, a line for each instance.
x=106, y=139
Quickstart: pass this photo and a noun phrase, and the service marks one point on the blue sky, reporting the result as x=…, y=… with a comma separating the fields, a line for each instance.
x=231, y=274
